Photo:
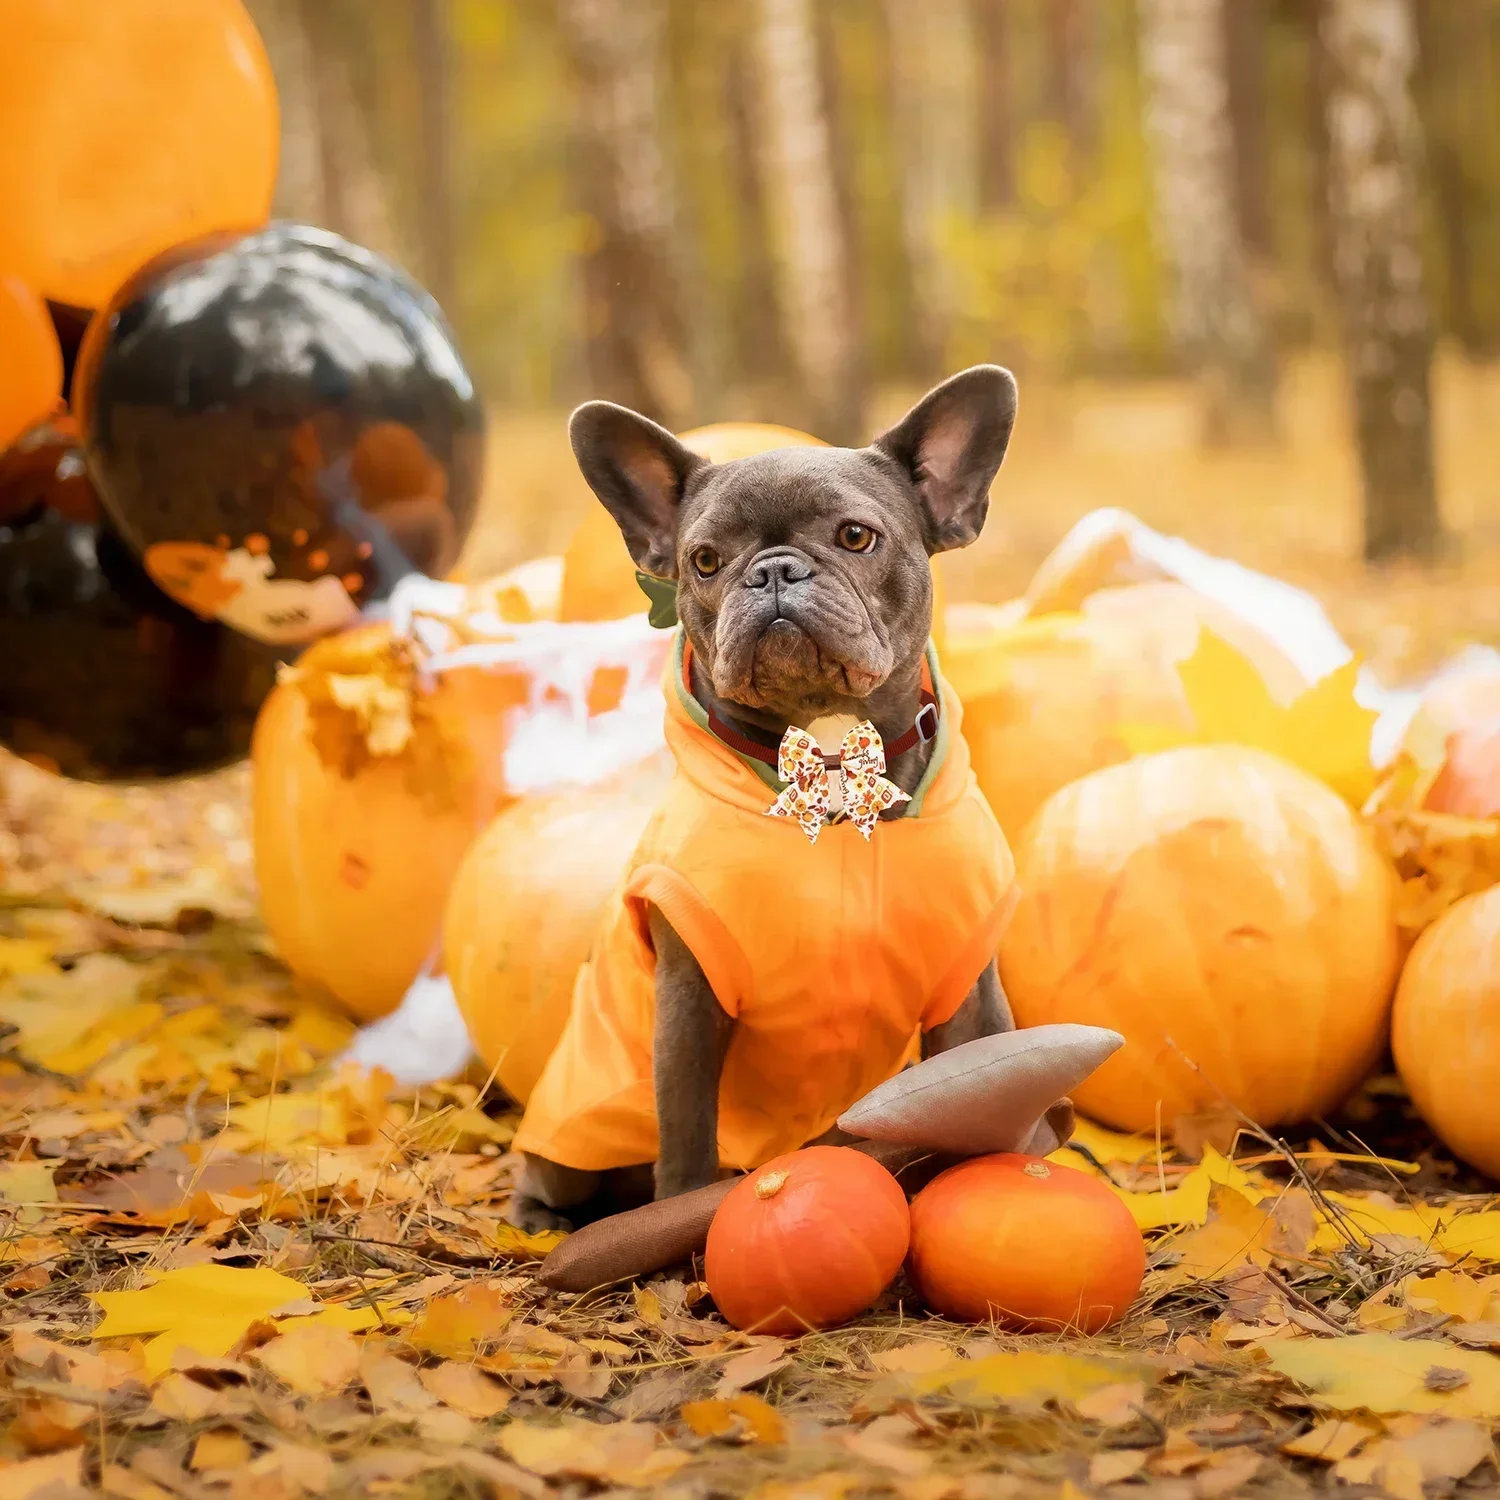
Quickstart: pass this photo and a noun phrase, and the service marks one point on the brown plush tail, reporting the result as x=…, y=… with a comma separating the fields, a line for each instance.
x=626, y=1246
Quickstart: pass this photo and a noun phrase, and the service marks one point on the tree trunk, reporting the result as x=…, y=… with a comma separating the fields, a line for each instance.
x=634, y=328
x=1069, y=45
x=760, y=350
x=934, y=91
x=1216, y=323
x=350, y=194
x=435, y=82
x=1245, y=58
x=812, y=257
x=1374, y=154
x=1455, y=101
x=994, y=103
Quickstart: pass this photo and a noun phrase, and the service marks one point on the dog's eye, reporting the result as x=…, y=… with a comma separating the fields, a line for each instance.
x=855, y=538
x=706, y=561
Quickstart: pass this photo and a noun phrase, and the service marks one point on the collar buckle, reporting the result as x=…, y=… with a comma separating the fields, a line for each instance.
x=927, y=723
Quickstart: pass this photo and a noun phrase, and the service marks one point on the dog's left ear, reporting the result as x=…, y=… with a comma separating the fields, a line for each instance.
x=638, y=470
x=951, y=444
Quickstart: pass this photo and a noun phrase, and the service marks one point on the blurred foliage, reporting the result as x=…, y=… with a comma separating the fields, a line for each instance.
x=1064, y=278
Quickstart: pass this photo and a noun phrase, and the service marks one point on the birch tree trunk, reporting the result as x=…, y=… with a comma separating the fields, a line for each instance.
x=934, y=93
x=634, y=328
x=1217, y=326
x=1374, y=154
x=812, y=257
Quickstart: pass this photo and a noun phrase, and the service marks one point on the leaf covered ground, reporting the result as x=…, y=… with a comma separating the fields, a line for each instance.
x=231, y=1268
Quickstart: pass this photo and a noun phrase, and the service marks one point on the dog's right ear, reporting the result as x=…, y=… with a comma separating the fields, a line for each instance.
x=638, y=470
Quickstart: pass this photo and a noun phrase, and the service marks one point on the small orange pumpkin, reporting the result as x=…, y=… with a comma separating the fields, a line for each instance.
x=806, y=1241
x=1026, y=1242
x=1445, y=1028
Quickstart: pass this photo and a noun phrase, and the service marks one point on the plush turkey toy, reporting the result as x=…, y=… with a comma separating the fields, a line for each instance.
x=1000, y=1093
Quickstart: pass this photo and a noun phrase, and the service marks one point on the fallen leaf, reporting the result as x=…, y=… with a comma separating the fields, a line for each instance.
x=1028, y=1378
x=924, y=1354
x=1113, y=1405
x=1115, y=1464
x=117, y=1480
x=1451, y=1292
x=206, y=1309
x=313, y=1360
x=455, y=1326
x=1436, y=1449
x=1380, y=1373
x=180, y=1398
x=751, y=1367
x=514, y=1244
x=300, y=1469
x=747, y=1414
x=623, y=1453
x=1330, y=1440
x=221, y=1448
x=465, y=1389
x=48, y=1424
x=19, y=1481
x=886, y=1443
x=825, y=1486
x=392, y=1384
x=1475, y=1335
x=1225, y=1473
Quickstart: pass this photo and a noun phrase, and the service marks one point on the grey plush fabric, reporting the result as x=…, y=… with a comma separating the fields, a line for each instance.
x=987, y=1095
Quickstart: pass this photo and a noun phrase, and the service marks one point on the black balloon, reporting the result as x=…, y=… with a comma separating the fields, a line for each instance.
x=102, y=677
x=282, y=427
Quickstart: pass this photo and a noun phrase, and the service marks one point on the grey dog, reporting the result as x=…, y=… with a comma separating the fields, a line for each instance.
x=804, y=586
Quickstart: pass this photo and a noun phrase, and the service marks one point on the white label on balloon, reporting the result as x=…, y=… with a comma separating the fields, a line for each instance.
x=239, y=588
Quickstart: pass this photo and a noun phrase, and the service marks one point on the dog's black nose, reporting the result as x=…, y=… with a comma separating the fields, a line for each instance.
x=775, y=570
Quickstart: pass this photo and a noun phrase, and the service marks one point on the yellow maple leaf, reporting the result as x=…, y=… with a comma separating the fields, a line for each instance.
x=1027, y=1378
x=1381, y=1373
x=1325, y=730
x=1461, y=1297
x=204, y=1309
x=455, y=1326
x=515, y=1244
x=1188, y=1202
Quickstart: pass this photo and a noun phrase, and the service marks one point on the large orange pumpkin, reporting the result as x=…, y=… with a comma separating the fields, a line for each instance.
x=1026, y=1242
x=524, y=908
x=363, y=812
x=806, y=1241
x=1047, y=699
x=1445, y=1028
x=1227, y=914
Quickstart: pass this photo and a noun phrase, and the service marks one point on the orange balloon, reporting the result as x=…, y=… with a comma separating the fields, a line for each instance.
x=31, y=363
x=127, y=129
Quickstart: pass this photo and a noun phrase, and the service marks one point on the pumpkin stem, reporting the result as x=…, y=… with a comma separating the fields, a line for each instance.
x=769, y=1185
x=1037, y=1169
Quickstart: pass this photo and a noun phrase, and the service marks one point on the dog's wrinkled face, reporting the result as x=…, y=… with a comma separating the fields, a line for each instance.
x=802, y=574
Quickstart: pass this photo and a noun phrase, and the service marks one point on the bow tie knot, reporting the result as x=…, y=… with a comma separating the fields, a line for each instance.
x=863, y=788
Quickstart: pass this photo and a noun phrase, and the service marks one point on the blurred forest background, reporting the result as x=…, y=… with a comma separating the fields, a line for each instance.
x=1239, y=252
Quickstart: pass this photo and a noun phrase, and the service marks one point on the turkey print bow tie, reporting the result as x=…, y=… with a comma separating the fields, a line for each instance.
x=862, y=785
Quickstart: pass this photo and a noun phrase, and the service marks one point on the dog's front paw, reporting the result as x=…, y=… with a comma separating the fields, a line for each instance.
x=532, y=1216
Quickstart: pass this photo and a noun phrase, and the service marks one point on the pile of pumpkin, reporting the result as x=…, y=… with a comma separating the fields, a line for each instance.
x=1207, y=860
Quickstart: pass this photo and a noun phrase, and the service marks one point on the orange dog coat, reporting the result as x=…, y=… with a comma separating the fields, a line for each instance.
x=832, y=957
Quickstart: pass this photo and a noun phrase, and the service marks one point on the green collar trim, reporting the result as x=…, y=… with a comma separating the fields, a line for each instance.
x=696, y=712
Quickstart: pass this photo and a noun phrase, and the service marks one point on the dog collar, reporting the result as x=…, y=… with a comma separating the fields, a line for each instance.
x=766, y=748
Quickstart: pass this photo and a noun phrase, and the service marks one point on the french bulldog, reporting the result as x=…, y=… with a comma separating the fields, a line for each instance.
x=804, y=586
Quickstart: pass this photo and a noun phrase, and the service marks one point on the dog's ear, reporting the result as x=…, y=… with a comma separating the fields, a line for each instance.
x=951, y=444
x=638, y=471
